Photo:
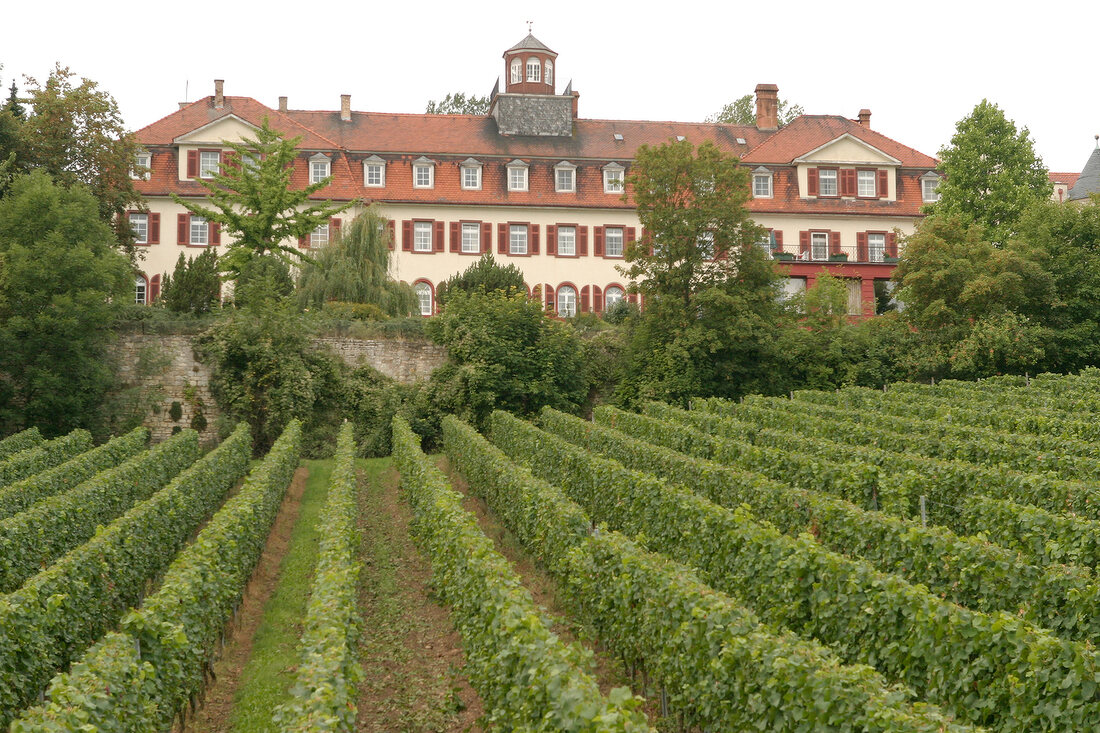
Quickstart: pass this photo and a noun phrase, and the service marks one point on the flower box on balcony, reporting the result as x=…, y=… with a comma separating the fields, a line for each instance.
x=841, y=257
x=786, y=256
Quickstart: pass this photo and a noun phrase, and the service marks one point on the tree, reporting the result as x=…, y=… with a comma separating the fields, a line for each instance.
x=194, y=286
x=741, y=111
x=12, y=156
x=75, y=133
x=252, y=200
x=992, y=174
x=355, y=268
x=61, y=284
x=459, y=104
x=484, y=276
x=711, y=294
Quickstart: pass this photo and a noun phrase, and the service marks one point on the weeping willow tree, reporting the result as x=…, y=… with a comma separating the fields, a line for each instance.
x=355, y=269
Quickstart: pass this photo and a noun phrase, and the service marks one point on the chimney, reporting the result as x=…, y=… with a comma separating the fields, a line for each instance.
x=184, y=104
x=219, y=96
x=865, y=118
x=345, y=107
x=282, y=104
x=767, y=107
x=576, y=103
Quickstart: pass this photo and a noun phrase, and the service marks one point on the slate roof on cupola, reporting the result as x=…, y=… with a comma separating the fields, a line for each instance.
x=1089, y=180
x=530, y=43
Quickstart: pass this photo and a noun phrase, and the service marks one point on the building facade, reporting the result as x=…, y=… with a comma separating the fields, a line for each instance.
x=542, y=187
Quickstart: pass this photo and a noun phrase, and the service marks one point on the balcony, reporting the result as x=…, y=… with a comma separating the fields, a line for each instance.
x=851, y=254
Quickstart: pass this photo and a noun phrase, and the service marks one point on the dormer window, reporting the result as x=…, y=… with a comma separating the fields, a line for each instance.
x=471, y=174
x=761, y=183
x=516, y=75
x=142, y=163
x=565, y=177
x=865, y=183
x=209, y=160
x=613, y=178
x=929, y=187
x=319, y=167
x=826, y=182
x=517, y=176
x=374, y=172
x=549, y=72
x=423, y=173
x=534, y=70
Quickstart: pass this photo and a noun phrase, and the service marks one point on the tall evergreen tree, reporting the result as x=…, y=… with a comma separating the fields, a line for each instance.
x=194, y=286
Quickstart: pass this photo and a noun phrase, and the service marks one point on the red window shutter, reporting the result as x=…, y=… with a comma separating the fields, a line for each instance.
x=861, y=246
x=533, y=233
x=804, y=244
x=215, y=231
x=834, y=243
x=502, y=239
x=303, y=241
x=882, y=188
x=230, y=161
x=456, y=236
x=392, y=227
x=486, y=237
x=847, y=182
x=183, y=229
x=192, y=163
x=584, y=298
x=154, y=228
x=582, y=241
x=551, y=239
x=629, y=237
x=154, y=288
x=406, y=235
x=597, y=299
x=891, y=245
x=778, y=234
x=597, y=244
x=437, y=236
x=550, y=299
x=811, y=181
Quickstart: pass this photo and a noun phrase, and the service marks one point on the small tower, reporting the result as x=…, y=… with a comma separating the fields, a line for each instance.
x=529, y=68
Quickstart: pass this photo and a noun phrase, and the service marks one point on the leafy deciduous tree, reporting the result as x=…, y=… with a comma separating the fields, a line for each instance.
x=459, y=104
x=742, y=111
x=484, y=276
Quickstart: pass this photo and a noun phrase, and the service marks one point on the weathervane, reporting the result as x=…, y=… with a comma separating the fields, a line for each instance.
x=529, y=26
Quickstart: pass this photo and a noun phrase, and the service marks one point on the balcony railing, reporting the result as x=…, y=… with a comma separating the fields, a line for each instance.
x=844, y=253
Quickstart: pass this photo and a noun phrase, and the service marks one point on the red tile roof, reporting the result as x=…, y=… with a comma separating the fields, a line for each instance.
x=1067, y=179
x=203, y=112
x=810, y=132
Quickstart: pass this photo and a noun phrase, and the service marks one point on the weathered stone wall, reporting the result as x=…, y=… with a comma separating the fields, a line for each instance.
x=181, y=377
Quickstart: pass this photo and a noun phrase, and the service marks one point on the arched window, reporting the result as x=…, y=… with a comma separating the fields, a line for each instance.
x=141, y=289
x=567, y=301
x=549, y=72
x=534, y=70
x=611, y=296
x=517, y=71
x=423, y=292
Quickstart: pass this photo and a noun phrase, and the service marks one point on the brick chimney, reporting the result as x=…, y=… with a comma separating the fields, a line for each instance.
x=576, y=103
x=767, y=107
x=219, y=93
x=345, y=107
x=282, y=104
x=184, y=104
x=865, y=118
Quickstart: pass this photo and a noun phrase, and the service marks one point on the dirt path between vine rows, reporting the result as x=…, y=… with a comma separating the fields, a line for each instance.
x=214, y=713
x=411, y=655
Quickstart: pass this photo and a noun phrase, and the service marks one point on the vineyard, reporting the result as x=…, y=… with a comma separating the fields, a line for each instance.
x=920, y=558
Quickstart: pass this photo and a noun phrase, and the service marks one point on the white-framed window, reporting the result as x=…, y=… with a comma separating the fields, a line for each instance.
x=423, y=175
x=209, y=160
x=422, y=236
x=876, y=247
x=613, y=178
x=251, y=161
x=766, y=243
x=318, y=170
x=200, y=230
x=517, y=176
x=929, y=185
x=534, y=70
x=611, y=296
x=517, y=239
x=549, y=72
x=565, y=177
x=471, y=176
x=516, y=75
x=705, y=243
x=567, y=241
x=319, y=236
x=792, y=286
x=762, y=185
x=826, y=182
x=142, y=164
x=374, y=172
x=855, y=296
x=865, y=184
x=471, y=237
x=423, y=297
x=567, y=301
x=613, y=241
x=819, y=245
x=141, y=290
x=139, y=225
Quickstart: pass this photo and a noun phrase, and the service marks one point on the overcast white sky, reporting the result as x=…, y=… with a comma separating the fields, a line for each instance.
x=919, y=66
